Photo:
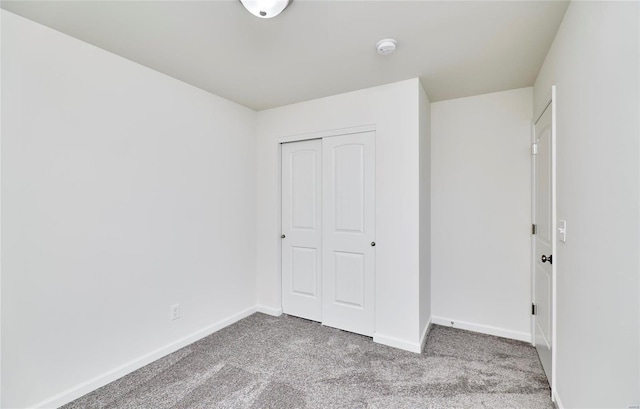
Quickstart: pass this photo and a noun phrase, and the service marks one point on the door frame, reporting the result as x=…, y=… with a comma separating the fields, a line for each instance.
x=304, y=137
x=550, y=102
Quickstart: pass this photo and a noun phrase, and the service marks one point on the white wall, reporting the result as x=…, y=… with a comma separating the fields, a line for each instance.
x=481, y=212
x=425, y=212
x=594, y=61
x=393, y=109
x=123, y=191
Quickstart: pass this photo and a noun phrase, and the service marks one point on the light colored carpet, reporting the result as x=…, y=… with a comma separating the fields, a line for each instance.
x=287, y=362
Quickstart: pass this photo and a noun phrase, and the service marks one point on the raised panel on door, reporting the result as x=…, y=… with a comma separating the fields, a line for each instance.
x=543, y=241
x=302, y=229
x=348, y=232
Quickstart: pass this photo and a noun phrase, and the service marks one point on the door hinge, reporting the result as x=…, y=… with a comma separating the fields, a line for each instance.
x=534, y=310
x=534, y=148
x=534, y=229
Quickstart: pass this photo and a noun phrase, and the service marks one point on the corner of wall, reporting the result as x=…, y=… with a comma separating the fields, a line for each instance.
x=424, y=134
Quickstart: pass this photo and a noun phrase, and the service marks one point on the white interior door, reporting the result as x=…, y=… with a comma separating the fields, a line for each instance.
x=544, y=238
x=349, y=232
x=302, y=229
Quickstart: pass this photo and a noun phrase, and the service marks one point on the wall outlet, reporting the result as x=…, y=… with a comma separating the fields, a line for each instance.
x=175, y=312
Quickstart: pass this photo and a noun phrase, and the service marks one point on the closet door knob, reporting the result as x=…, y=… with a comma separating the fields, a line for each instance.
x=282, y=236
x=373, y=244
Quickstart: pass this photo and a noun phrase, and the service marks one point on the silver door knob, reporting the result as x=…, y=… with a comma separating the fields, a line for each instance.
x=282, y=236
x=373, y=244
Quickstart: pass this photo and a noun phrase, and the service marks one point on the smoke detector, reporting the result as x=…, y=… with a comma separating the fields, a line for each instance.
x=386, y=46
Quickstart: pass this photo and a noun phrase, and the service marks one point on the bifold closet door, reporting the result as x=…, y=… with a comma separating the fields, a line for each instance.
x=348, y=232
x=301, y=229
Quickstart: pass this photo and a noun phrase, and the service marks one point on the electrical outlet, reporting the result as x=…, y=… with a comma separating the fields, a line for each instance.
x=175, y=312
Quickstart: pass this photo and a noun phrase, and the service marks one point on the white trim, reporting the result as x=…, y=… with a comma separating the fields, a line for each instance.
x=423, y=337
x=277, y=234
x=554, y=244
x=276, y=312
x=0, y=238
x=122, y=370
x=483, y=329
x=532, y=278
x=402, y=344
x=327, y=133
x=556, y=400
x=397, y=343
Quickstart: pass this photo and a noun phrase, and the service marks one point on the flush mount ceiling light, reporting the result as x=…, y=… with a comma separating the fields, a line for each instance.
x=265, y=8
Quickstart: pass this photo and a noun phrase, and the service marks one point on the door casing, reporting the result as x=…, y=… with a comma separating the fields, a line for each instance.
x=550, y=102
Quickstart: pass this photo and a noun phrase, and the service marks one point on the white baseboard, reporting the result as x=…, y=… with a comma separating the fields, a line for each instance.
x=397, y=343
x=423, y=337
x=122, y=370
x=483, y=329
x=276, y=312
x=556, y=400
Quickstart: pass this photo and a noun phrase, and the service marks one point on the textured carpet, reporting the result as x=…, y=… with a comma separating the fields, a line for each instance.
x=287, y=362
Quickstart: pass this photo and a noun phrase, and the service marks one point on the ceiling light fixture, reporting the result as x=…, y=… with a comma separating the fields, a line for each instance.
x=265, y=8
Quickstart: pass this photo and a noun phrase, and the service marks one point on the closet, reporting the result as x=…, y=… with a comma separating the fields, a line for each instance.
x=328, y=231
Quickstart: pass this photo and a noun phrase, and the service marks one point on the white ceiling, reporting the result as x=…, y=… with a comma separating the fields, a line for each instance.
x=317, y=48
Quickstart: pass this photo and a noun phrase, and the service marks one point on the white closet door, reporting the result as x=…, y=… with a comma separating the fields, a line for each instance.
x=301, y=229
x=348, y=232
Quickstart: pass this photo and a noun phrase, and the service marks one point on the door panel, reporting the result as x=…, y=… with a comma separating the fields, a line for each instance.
x=348, y=231
x=348, y=188
x=349, y=279
x=543, y=241
x=304, y=183
x=304, y=265
x=301, y=226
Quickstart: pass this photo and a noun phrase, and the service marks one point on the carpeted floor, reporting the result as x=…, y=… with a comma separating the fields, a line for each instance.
x=287, y=362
